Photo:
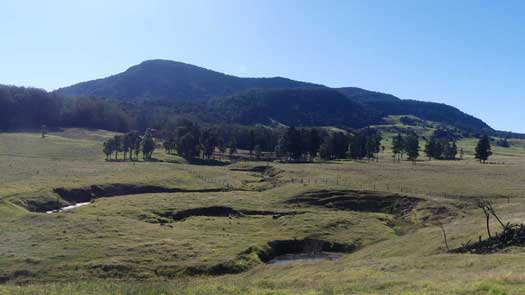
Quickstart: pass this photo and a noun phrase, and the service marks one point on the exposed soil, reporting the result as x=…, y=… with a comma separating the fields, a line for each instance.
x=66, y=197
x=86, y=194
x=257, y=169
x=255, y=255
x=220, y=211
x=361, y=201
x=309, y=246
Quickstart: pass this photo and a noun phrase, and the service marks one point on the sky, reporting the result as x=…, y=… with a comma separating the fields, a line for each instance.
x=468, y=54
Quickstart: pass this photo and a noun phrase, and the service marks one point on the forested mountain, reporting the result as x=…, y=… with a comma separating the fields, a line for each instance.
x=390, y=105
x=173, y=81
x=155, y=91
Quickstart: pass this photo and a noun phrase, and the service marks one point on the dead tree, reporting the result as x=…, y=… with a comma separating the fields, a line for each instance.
x=482, y=205
x=444, y=236
x=490, y=209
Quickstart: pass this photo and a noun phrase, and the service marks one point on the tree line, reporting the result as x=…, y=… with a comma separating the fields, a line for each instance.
x=191, y=140
x=130, y=145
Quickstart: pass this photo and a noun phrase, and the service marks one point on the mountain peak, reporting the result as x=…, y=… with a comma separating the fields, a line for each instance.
x=172, y=80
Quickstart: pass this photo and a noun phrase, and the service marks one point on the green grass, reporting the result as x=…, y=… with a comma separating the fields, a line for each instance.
x=117, y=246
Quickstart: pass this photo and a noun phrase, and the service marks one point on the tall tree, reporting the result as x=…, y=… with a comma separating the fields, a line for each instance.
x=293, y=143
x=412, y=147
x=232, y=147
x=118, y=145
x=251, y=144
x=208, y=143
x=483, y=149
x=148, y=145
x=187, y=146
x=109, y=146
x=325, y=151
x=397, y=146
x=314, y=142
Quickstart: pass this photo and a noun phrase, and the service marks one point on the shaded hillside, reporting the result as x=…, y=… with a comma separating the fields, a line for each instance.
x=170, y=80
x=293, y=107
x=390, y=105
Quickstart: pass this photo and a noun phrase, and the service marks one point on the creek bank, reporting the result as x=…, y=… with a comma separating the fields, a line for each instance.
x=305, y=257
x=62, y=198
x=273, y=252
x=86, y=194
x=360, y=201
x=221, y=211
x=68, y=207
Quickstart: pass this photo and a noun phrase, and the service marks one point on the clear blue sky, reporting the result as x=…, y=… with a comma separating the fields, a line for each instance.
x=469, y=54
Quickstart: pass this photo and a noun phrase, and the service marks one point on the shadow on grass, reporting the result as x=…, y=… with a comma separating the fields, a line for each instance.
x=207, y=162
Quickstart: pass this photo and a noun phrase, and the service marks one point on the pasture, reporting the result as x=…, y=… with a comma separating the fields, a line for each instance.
x=214, y=229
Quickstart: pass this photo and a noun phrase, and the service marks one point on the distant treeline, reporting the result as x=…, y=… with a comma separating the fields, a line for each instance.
x=30, y=108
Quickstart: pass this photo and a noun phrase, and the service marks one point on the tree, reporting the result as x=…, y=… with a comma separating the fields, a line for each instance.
x=483, y=149
x=325, y=151
x=208, y=142
x=432, y=148
x=148, y=145
x=412, y=147
x=109, y=146
x=450, y=151
x=461, y=153
x=357, y=146
x=117, y=145
x=134, y=144
x=221, y=146
x=258, y=152
x=251, y=144
x=290, y=144
x=126, y=145
x=232, y=147
x=187, y=146
x=314, y=142
x=397, y=146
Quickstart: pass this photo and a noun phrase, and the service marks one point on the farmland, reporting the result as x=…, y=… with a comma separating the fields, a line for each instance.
x=199, y=229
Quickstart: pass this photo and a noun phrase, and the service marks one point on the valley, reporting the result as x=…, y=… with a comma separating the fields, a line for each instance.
x=171, y=227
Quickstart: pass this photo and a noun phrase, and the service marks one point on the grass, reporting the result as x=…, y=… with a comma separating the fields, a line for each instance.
x=120, y=245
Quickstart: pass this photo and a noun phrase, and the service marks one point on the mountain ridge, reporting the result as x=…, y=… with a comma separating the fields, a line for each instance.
x=172, y=80
x=177, y=82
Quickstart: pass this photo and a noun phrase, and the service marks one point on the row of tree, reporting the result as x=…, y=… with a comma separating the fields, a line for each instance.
x=190, y=140
x=441, y=149
x=130, y=145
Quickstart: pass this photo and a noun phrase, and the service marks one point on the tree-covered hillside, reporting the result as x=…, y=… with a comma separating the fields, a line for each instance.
x=390, y=105
x=173, y=81
x=293, y=107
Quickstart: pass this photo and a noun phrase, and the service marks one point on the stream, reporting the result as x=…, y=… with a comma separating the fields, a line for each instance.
x=68, y=207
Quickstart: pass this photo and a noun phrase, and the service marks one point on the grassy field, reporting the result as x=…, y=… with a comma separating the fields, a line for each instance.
x=130, y=244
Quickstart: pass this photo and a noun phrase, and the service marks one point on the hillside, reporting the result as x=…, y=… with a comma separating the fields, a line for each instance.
x=438, y=112
x=293, y=107
x=221, y=98
x=170, y=80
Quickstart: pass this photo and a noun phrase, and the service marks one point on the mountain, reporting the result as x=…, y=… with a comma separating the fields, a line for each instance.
x=174, y=81
x=293, y=107
x=219, y=97
x=388, y=104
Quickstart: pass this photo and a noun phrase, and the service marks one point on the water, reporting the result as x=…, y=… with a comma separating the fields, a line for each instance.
x=68, y=207
x=306, y=257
